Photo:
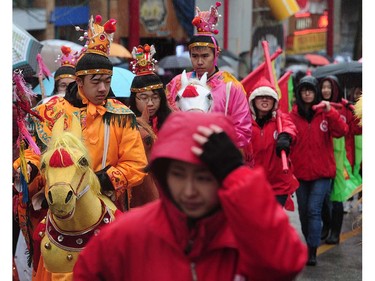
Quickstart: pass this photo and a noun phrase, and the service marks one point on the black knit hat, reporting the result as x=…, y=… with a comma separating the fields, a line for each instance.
x=142, y=83
x=65, y=72
x=91, y=63
x=94, y=58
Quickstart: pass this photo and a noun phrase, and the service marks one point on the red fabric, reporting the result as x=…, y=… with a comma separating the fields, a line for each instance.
x=312, y=155
x=180, y=141
x=253, y=239
x=250, y=80
x=37, y=239
x=354, y=129
x=60, y=158
x=284, y=89
x=249, y=236
x=264, y=145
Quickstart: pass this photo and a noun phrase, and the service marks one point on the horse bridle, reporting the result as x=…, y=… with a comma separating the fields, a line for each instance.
x=77, y=195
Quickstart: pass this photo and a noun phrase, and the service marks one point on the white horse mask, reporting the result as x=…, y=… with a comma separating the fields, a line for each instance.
x=194, y=95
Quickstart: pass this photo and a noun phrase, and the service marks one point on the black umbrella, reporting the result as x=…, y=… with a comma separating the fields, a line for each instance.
x=348, y=73
x=174, y=61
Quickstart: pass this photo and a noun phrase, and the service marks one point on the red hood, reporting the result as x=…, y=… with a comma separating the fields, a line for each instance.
x=175, y=138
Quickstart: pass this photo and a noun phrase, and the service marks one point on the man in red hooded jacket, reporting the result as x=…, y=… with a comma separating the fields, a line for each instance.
x=216, y=218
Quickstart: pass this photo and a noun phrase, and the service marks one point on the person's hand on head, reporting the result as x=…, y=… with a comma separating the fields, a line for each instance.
x=217, y=151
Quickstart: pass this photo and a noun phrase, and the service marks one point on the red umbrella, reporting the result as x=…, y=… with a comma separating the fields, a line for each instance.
x=316, y=59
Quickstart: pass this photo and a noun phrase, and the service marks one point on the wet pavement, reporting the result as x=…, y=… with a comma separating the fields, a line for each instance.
x=342, y=262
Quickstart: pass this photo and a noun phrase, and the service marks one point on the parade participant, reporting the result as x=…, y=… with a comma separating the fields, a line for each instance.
x=268, y=142
x=65, y=74
x=344, y=183
x=147, y=91
x=149, y=104
x=108, y=127
x=313, y=157
x=229, y=96
x=216, y=218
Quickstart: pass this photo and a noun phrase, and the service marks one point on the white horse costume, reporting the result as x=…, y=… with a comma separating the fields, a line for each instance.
x=194, y=94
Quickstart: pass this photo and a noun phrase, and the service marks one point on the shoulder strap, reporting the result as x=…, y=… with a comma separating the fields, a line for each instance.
x=106, y=142
x=227, y=94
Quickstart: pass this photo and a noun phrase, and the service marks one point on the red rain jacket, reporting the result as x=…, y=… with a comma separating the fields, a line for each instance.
x=264, y=145
x=312, y=155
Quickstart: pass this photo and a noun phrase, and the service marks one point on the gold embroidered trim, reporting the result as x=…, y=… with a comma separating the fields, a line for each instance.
x=94, y=71
x=65, y=76
x=148, y=88
x=201, y=44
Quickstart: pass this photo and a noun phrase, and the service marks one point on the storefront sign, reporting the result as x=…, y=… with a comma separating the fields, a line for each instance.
x=153, y=14
x=306, y=42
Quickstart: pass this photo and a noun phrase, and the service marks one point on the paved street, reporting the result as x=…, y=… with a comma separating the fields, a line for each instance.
x=341, y=262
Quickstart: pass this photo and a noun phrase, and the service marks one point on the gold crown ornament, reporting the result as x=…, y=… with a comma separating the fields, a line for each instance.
x=98, y=38
x=143, y=62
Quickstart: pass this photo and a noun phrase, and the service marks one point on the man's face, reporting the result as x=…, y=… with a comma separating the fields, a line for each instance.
x=202, y=59
x=95, y=87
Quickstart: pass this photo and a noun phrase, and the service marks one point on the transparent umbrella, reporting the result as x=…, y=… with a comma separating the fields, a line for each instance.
x=120, y=84
x=25, y=49
x=52, y=49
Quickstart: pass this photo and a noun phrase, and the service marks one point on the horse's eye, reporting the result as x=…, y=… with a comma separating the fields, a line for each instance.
x=209, y=96
x=177, y=98
x=83, y=162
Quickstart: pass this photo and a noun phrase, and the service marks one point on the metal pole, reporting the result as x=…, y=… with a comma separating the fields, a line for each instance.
x=226, y=23
x=330, y=28
x=133, y=23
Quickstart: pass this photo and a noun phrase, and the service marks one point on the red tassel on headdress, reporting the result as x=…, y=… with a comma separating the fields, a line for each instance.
x=110, y=26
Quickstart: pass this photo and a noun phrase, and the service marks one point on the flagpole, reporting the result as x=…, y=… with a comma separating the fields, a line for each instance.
x=267, y=60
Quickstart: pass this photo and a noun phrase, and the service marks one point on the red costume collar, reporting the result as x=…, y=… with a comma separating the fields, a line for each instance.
x=75, y=241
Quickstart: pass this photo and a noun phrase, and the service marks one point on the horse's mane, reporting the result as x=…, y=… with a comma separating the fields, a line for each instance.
x=76, y=149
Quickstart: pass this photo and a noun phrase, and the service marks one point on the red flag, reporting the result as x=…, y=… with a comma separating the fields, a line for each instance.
x=251, y=79
x=284, y=92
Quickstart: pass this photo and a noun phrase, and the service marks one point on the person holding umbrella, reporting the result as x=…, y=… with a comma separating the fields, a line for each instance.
x=229, y=96
x=313, y=157
x=216, y=218
x=109, y=128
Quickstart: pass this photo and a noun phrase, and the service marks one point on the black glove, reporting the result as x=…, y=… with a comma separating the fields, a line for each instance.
x=283, y=143
x=221, y=155
x=105, y=182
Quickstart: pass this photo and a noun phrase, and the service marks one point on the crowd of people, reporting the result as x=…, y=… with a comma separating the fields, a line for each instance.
x=203, y=195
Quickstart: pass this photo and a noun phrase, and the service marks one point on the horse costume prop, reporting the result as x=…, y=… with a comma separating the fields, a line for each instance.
x=77, y=209
x=194, y=94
